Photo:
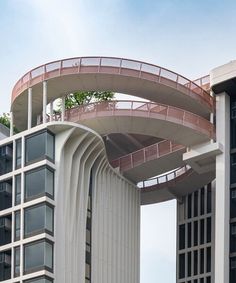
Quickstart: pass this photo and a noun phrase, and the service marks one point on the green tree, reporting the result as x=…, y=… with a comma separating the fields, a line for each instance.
x=84, y=97
x=5, y=119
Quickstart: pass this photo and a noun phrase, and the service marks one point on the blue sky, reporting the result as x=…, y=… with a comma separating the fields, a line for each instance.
x=187, y=36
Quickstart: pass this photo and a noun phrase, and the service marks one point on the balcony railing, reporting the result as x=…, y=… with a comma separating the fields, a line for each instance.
x=112, y=65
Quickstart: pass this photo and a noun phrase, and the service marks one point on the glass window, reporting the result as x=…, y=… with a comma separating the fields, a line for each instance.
x=6, y=159
x=42, y=279
x=195, y=262
x=208, y=263
x=195, y=235
x=209, y=198
x=5, y=260
x=17, y=225
x=208, y=230
x=6, y=194
x=189, y=234
x=38, y=256
x=17, y=189
x=5, y=230
x=189, y=264
x=182, y=236
x=39, y=182
x=38, y=219
x=17, y=261
x=39, y=146
x=18, y=153
x=233, y=237
x=181, y=266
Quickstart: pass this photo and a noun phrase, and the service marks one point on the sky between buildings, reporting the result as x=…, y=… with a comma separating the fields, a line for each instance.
x=187, y=36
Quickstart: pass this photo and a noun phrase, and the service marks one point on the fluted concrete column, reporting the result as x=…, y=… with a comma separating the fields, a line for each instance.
x=29, y=108
x=222, y=190
x=44, y=101
x=63, y=106
x=11, y=124
x=51, y=111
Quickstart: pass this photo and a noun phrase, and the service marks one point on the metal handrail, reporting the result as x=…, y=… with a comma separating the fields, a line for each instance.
x=79, y=64
x=150, y=109
x=145, y=154
x=171, y=176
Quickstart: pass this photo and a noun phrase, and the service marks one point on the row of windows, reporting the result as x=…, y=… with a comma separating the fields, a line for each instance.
x=37, y=219
x=203, y=256
x=38, y=182
x=195, y=233
x=196, y=202
x=37, y=256
x=38, y=146
x=201, y=280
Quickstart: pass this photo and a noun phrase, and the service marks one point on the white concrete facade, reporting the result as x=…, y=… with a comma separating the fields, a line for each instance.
x=115, y=224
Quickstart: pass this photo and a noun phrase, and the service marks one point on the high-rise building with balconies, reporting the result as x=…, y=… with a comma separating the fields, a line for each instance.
x=71, y=184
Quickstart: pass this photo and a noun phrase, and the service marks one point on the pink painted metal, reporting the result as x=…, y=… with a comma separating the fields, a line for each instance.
x=112, y=65
x=144, y=109
x=169, y=179
x=203, y=82
x=145, y=154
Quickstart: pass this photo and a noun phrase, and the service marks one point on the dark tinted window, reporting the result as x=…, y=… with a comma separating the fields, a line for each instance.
x=39, y=182
x=38, y=219
x=39, y=146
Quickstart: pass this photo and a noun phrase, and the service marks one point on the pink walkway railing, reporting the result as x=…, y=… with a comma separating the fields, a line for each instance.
x=111, y=65
x=203, y=82
x=145, y=154
x=144, y=109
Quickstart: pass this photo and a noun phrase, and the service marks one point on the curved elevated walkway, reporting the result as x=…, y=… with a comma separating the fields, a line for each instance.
x=184, y=119
x=102, y=73
x=173, y=185
x=166, y=122
x=150, y=161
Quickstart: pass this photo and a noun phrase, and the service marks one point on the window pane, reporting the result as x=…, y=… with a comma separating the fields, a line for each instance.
x=39, y=280
x=18, y=189
x=49, y=182
x=48, y=255
x=35, y=147
x=39, y=182
x=50, y=146
x=39, y=146
x=38, y=256
x=6, y=159
x=49, y=218
x=17, y=262
x=18, y=153
x=233, y=237
x=17, y=225
x=182, y=236
x=38, y=219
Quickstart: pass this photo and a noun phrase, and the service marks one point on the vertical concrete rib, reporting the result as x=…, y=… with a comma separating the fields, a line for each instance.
x=222, y=189
x=29, y=108
x=44, y=102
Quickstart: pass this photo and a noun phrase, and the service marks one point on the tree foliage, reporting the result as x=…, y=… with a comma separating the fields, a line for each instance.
x=5, y=120
x=84, y=97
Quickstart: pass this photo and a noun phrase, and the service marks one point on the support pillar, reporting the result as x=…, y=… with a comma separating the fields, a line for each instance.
x=11, y=124
x=29, y=108
x=44, y=102
x=222, y=190
x=51, y=111
x=63, y=102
